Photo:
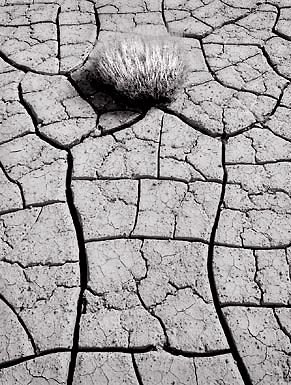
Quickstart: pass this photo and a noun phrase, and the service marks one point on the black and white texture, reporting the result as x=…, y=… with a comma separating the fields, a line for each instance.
x=145, y=246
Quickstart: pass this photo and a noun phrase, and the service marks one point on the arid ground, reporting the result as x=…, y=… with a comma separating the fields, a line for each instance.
x=145, y=246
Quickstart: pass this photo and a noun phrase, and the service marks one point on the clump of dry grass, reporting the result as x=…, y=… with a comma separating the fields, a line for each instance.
x=142, y=68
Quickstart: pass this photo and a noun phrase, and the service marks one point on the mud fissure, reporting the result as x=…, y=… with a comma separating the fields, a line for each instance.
x=83, y=264
x=240, y=364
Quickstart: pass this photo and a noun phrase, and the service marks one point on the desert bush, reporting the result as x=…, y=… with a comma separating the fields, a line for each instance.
x=142, y=68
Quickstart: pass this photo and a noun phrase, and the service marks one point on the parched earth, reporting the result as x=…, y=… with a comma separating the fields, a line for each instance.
x=145, y=247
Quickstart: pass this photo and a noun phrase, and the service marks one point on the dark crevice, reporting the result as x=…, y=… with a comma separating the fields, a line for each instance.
x=125, y=125
x=196, y=169
x=10, y=211
x=164, y=16
x=274, y=29
x=108, y=238
x=136, y=370
x=277, y=17
x=29, y=109
x=211, y=275
x=81, y=139
x=272, y=65
x=282, y=35
x=36, y=264
x=22, y=135
x=195, y=372
x=256, y=280
x=137, y=208
x=146, y=177
x=58, y=37
x=13, y=63
x=31, y=205
x=159, y=149
x=192, y=180
x=17, y=361
x=152, y=348
x=22, y=67
x=183, y=353
x=191, y=239
x=83, y=267
x=276, y=133
x=197, y=35
x=22, y=323
x=166, y=344
x=43, y=204
x=279, y=99
x=30, y=24
x=240, y=5
x=175, y=225
x=282, y=328
x=200, y=19
x=18, y=184
x=156, y=238
x=259, y=163
x=131, y=350
x=84, y=304
x=98, y=25
x=251, y=247
x=97, y=21
x=198, y=126
x=244, y=129
x=264, y=305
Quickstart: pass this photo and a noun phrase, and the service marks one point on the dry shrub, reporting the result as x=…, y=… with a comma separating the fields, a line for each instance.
x=142, y=68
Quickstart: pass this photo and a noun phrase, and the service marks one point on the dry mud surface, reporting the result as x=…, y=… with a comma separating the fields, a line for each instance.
x=145, y=247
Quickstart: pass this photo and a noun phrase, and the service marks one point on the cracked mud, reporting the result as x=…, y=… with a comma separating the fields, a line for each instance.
x=145, y=247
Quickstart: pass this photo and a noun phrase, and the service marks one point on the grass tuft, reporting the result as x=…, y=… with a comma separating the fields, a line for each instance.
x=142, y=68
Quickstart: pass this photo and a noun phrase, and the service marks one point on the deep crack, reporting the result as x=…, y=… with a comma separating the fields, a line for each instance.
x=18, y=184
x=211, y=275
x=25, y=328
x=136, y=370
x=83, y=267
